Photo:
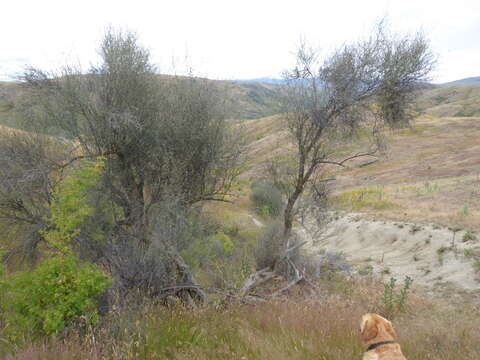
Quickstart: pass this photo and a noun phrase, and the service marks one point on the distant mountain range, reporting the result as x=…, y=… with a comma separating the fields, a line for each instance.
x=267, y=80
x=466, y=81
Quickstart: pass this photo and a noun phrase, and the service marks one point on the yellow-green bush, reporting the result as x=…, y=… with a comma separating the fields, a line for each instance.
x=207, y=250
x=61, y=291
x=70, y=208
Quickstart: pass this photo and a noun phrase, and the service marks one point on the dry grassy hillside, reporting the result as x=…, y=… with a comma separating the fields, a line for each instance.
x=453, y=100
x=430, y=172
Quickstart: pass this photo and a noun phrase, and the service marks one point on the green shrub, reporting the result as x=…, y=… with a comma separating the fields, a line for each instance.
x=385, y=271
x=2, y=287
x=441, y=251
x=331, y=264
x=267, y=199
x=365, y=270
x=2, y=267
x=469, y=253
x=60, y=292
x=205, y=251
x=468, y=236
x=393, y=301
x=225, y=245
x=465, y=210
x=70, y=208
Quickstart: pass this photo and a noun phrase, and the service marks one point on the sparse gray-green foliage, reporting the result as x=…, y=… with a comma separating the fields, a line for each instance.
x=468, y=236
x=267, y=199
x=351, y=92
x=332, y=263
x=27, y=161
x=415, y=228
x=406, y=61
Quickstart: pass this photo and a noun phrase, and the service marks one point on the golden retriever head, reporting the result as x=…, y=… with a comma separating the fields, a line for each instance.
x=374, y=328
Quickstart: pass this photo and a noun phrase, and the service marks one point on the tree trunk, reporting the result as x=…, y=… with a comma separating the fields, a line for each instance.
x=283, y=265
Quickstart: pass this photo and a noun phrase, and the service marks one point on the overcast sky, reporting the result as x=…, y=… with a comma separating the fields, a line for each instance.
x=226, y=39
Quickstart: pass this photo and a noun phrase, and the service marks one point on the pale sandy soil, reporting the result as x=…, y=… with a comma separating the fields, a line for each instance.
x=399, y=249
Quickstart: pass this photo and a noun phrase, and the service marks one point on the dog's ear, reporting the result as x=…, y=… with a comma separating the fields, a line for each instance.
x=368, y=328
x=389, y=329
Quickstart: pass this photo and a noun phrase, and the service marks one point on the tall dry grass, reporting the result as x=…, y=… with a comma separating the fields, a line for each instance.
x=324, y=326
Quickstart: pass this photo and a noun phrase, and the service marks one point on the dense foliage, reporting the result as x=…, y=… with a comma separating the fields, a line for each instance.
x=60, y=292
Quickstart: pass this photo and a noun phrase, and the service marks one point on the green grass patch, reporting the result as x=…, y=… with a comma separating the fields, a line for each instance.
x=373, y=198
x=416, y=129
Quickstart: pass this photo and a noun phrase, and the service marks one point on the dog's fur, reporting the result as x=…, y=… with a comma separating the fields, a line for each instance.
x=375, y=329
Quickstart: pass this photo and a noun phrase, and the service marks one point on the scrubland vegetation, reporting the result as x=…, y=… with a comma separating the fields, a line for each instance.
x=139, y=221
x=323, y=325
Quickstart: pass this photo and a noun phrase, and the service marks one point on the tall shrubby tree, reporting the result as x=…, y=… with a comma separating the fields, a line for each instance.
x=362, y=85
x=160, y=137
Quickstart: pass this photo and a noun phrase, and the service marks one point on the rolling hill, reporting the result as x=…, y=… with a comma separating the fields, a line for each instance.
x=257, y=98
x=466, y=81
x=452, y=100
x=244, y=100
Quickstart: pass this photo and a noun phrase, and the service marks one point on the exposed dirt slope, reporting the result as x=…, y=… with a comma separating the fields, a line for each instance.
x=429, y=253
